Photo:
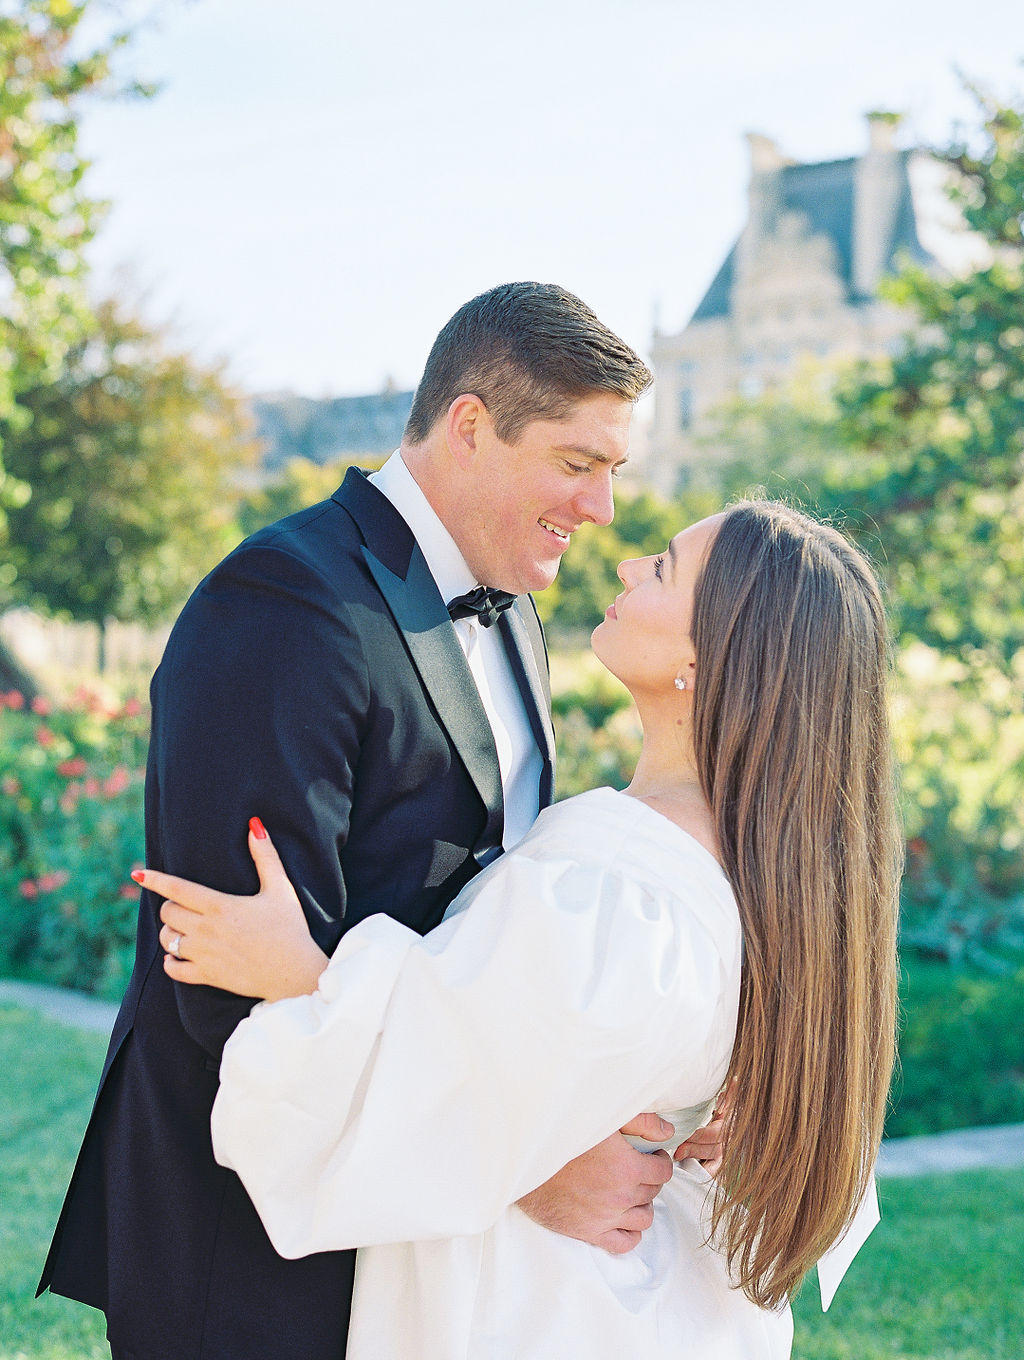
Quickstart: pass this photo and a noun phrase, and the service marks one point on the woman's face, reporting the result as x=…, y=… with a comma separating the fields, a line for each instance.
x=644, y=638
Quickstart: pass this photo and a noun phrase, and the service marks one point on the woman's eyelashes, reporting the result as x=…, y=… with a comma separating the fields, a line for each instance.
x=659, y=562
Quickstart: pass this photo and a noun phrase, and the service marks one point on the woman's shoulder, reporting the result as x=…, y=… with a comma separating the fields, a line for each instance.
x=606, y=851
x=599, y=818
x=611, y=830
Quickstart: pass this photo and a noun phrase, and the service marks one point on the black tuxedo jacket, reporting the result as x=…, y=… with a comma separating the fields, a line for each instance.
x=313, y=679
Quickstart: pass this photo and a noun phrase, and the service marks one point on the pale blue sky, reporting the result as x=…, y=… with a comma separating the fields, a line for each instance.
x=321, y=183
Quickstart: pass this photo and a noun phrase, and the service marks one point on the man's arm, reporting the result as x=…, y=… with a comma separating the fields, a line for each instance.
x=256, y=712
x=606, y=1196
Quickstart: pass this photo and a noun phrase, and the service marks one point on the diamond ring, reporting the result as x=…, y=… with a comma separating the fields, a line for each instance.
x=174, y=946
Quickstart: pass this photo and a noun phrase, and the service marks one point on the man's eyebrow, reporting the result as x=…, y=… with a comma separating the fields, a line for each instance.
x=585, y=451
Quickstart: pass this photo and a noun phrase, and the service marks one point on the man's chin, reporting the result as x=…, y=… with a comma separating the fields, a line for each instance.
x=541, y=576
x=529, y=578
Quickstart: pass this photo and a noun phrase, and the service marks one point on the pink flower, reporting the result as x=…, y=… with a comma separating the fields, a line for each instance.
x=28, y=889
x=51, y=882
x=116, y=783
x=42, y=706
x=132, y=708
x=44, y=736
x=68, y=801
x=14, y=699
x=87, y=700
x=10, y=785
x=91, y=787
x=127, y=891
x=72, y=768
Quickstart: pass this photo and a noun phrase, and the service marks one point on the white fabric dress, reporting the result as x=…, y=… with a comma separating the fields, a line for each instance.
x=591, y=973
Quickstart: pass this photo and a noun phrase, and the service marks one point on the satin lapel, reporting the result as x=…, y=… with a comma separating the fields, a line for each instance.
x=532, y=686
x=419, y=612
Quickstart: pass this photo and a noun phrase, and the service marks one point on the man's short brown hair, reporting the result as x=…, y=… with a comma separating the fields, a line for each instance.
x=529, y=351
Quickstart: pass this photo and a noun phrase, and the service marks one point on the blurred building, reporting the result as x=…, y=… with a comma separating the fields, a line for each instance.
x=325, y=431
x=801, y=283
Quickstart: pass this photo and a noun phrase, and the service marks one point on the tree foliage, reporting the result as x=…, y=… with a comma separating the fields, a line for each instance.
x=299, y=483
x=46, y=215
x=131, y=457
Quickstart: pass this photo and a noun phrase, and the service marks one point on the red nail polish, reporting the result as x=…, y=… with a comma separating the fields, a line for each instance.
x=138, y=875
x=257, y=828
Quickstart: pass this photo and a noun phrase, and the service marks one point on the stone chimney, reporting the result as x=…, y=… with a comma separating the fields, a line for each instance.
x=877, y=183
x=882, y=129
x=765, y=155
x=766, y=160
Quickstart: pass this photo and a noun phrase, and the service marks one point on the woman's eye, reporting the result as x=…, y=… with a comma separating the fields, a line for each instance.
x=659, y=562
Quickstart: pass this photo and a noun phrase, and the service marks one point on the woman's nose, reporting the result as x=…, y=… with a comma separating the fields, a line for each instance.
x=625, y=571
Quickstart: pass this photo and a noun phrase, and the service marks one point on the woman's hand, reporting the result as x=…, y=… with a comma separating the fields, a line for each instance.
x=254, y=946
x=707, y=1144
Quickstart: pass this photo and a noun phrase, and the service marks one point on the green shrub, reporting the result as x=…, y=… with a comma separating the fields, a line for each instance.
x=962, y=752
x=596, y=728
x=961, y=1050
x=71, y=831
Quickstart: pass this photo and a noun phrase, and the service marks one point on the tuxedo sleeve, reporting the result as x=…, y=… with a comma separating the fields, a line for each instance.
x=258, y=710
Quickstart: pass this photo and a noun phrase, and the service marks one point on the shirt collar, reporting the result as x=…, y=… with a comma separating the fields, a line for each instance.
x=447, y=565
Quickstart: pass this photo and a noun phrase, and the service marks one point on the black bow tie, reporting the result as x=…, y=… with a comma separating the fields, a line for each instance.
x=485, y=602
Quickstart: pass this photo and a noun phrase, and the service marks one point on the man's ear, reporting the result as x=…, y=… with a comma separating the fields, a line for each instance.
x=466, y=421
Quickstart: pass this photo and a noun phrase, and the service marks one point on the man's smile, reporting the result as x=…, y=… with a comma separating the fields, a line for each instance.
x=563, y=535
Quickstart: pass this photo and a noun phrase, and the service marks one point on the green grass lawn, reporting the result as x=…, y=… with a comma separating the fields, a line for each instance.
x=940, y=1279
x=46, y=1088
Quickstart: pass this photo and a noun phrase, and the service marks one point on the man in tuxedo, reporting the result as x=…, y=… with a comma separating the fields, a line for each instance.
x=369, y=678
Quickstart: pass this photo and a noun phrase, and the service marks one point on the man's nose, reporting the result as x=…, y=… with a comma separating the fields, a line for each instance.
x=595, y=501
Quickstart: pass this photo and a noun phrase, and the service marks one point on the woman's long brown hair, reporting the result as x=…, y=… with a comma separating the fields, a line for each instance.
x=792, y=743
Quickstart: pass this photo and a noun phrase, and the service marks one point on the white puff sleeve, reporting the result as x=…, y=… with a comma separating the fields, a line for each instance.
x=429, y=1083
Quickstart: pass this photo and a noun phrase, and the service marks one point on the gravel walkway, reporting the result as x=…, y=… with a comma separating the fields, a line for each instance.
x=70, y=1008
x=962, y=1150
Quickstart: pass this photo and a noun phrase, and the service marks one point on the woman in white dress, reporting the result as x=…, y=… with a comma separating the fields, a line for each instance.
x=728, y=919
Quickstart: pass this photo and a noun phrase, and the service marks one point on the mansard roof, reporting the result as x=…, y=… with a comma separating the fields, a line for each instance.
x=717, y=301
x=823, y=195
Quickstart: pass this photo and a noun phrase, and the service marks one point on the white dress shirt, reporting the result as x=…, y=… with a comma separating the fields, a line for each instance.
x=519, y=757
